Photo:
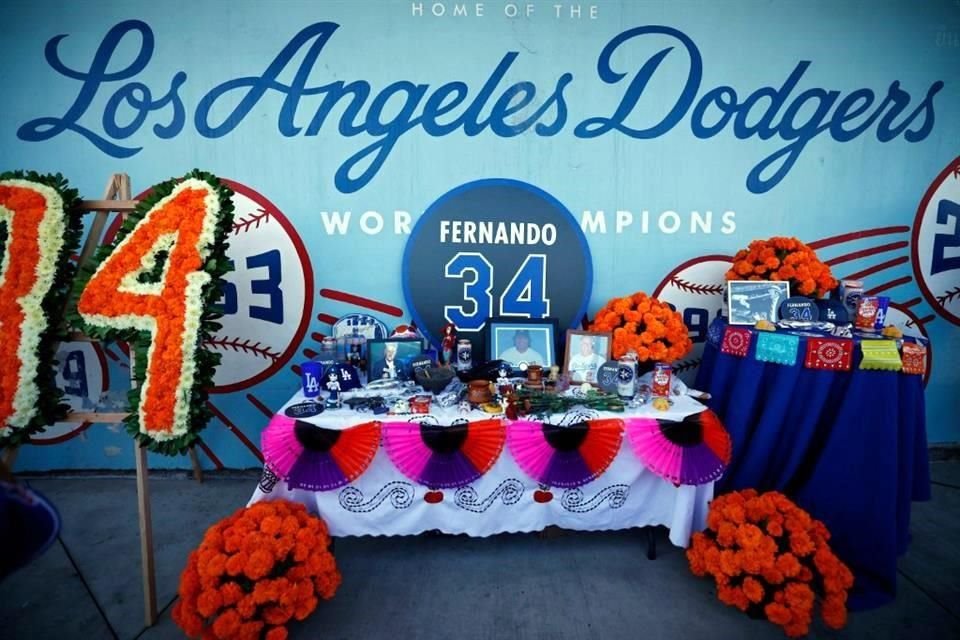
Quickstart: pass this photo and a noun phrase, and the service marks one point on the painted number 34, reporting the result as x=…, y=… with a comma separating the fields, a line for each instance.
x=524, y=296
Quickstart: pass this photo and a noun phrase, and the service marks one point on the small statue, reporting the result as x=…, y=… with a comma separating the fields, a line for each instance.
x=554, y=375
x=448, y=344
x=503, y=377
x=333, y=385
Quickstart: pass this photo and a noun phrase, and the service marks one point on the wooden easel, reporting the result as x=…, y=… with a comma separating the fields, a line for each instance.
x=117, y=198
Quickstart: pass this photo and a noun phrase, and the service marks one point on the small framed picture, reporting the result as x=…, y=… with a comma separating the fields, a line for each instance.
x=392, y=358
x=522, y=342
x=585, y=353
x=750, y=301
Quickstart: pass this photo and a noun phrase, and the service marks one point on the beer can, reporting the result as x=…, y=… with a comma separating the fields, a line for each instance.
x=626, y=377
x=310, y=376
x=662, y=379
x=464, y=354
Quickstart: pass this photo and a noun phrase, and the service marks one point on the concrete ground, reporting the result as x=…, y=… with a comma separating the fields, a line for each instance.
x=596, y=585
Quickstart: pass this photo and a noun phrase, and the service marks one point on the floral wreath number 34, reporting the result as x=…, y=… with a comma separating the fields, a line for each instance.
x=155, y=287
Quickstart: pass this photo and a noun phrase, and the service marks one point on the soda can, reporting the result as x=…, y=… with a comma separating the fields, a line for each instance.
x=662, y=377
x=464, y=354
x=849, y=294
x=866, y=319
x=626, y=377
x=883, y=305
x=310, y=375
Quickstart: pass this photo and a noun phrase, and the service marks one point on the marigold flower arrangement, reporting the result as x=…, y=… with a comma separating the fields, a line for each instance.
x=650, y=328
x=768, y=557
x=40, y=230
x=784, y=259
x=255, y=571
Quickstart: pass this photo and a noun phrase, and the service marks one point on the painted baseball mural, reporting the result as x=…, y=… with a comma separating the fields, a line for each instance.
x=552, y=164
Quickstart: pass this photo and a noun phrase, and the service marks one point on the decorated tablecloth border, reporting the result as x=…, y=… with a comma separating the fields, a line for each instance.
x=693, y=451
x=821, y=352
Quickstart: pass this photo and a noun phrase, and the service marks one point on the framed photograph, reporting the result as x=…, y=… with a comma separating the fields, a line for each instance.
x=522, y=342
x=392, y=358
x=752, y=300
x=585, y=353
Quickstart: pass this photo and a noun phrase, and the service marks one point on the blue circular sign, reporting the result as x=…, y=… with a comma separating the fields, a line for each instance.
x=495, y=248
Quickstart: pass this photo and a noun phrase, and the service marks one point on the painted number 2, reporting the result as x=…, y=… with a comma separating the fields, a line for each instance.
x=943, y=241
x=524, y=296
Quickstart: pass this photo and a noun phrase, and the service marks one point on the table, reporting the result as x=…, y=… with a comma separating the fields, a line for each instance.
x=382, y=501
x=849, y=447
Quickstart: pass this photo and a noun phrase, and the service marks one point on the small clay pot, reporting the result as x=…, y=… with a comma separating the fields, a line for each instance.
x=534, y=373
x=478, y=392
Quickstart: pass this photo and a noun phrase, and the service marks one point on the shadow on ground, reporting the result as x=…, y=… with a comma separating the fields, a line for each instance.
x=573, y=585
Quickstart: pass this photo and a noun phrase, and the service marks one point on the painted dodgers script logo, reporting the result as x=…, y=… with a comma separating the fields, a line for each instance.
x=936, y=243
x=454, y=106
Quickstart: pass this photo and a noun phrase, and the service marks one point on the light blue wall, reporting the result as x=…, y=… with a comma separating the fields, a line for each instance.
x=833, y=188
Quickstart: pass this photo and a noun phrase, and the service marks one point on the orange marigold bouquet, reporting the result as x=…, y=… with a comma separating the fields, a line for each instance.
x=254, y=571
x=646, y=326
x=769, y=558
x=784, y=259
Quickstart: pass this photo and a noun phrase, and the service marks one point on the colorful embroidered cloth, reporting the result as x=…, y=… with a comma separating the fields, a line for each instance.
x=736, y=341
x=832, y=354
x=777, y=347
x=880, y=354
x=914, y=358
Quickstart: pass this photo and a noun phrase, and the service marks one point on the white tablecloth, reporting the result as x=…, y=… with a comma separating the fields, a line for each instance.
x=382, y=501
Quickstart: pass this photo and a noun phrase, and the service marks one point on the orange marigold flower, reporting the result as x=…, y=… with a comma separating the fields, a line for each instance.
x=236, y=563
x=788, y=564
x=726, y=534
x=735, y=513
x=305, y=607
x=277, y=633
x=259, y=564
x=801, y=544
x=250, y=631
x=227, y=625
x=834, y=613
x=752, y=589
x=729, y=562
x=777, y=614
x=189, y=621
x=277, y=615
x=271, y=525
x=208, y=602
x=231, y=593
x=749, y=536
x=772, y=576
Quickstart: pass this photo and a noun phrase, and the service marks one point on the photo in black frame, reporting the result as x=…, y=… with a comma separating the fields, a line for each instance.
x=522, y=341
x=392, y=358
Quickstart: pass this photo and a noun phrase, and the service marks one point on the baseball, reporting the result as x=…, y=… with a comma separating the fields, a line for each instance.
x=268, y=297
x=936, y=244
x=696, y=290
